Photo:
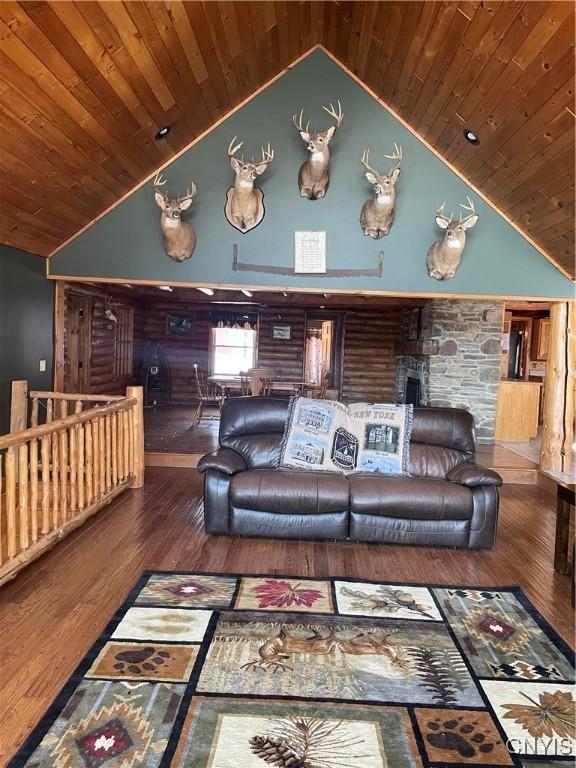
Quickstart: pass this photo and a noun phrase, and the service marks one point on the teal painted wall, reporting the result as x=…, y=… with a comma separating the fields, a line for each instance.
x=126, y=243
x=26, y=324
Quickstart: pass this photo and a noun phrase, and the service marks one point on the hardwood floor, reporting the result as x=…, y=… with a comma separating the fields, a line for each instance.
x=52, y=613
x=171, y=429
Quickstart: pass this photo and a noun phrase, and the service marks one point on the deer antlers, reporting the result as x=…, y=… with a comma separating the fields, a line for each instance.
x=397, y=155
x=267, y=154
x=298, y=125
x=233, y=149
x=159, y=181
x=331, y=111
x=469, y=207
x=364, y=160
x=190, y=193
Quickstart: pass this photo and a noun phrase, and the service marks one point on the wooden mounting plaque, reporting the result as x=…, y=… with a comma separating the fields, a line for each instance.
x=228, y=209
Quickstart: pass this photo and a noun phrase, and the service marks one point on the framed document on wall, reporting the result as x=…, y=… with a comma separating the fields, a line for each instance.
x=310, y=252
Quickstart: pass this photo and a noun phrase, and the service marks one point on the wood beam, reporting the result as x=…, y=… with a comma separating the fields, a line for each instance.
x=59, y=310
x=556, y=453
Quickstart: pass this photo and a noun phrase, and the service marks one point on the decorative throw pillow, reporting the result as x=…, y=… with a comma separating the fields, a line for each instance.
x=363, y=437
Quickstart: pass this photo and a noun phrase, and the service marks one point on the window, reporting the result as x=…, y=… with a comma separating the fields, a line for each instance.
x=233, y=351
x=123, y=345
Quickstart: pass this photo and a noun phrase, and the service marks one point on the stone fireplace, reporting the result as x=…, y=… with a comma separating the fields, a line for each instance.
x=412, y=379
x=455, y=359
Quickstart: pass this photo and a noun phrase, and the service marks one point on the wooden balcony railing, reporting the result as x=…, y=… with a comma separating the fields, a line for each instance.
x=57, y=474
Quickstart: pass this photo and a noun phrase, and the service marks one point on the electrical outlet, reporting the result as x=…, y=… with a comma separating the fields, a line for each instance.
x=42, y=366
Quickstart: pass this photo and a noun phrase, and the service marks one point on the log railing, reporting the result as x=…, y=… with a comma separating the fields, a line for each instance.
x=55, y=475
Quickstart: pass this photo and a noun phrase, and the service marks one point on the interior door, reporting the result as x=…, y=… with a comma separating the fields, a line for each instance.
x=327, y=339
x=77, y=358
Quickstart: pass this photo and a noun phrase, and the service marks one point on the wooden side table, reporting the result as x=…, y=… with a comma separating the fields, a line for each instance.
x=564, y=502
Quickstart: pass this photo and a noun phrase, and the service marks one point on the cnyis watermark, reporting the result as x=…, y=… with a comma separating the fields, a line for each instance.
x=556, y=746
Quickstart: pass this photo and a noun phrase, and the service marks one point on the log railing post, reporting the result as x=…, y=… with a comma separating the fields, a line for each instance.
x=55, y=475
x=19, y=406
x=558, y=433
x=138, y=440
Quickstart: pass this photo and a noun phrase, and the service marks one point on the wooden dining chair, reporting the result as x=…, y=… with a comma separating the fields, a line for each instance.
x=319, y=393
x=256, y=375
x=266, y=389
x=206, y=392
x=245, y=385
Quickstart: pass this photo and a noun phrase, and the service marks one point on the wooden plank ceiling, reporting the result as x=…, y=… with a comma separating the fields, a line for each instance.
x=84, y=86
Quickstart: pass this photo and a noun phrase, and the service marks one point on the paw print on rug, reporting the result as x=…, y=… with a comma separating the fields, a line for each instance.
x=140, y=661
x=458, y=736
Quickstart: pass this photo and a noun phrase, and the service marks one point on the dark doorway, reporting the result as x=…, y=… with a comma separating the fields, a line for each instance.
x=77, y=362
x=413, y=390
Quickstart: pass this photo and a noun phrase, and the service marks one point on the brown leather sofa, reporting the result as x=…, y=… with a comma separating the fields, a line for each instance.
x=447, y=500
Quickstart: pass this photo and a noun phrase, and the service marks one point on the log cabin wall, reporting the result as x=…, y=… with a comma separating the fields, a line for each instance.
x=181, y=351
x=369, y=339
x=101, y=377
x=284, y=356
x=368, y=344
x=368, y=360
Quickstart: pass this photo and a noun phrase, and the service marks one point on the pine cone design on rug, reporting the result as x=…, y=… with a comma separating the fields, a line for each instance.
x=274, y=752
x=308, y=742
x=387, y=600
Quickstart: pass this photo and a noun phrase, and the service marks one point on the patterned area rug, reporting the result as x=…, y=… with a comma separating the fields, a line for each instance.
x=226, y=671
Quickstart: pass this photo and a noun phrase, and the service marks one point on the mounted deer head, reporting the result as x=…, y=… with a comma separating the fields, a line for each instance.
x=377, y=214
x=314, y=174
x=109, y=311
x=443, y=257
x=244, y=208
x=178, y=238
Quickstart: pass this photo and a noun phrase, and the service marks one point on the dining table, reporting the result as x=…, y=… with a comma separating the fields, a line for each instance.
x=295, y=387
x=232, y=381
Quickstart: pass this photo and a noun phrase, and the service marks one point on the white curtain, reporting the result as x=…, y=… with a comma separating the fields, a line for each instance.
x=313, y=356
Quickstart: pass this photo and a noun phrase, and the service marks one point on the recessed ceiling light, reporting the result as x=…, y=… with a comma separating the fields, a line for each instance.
x=126, y=285
x=246, y=292
x=471, y=137
x=163, y=132
x=165, y=288
x=207, y=291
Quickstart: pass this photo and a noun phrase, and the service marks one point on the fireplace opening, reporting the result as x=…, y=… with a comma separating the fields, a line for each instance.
x=413, y=390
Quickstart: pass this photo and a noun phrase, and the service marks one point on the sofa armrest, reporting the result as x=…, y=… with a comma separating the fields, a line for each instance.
x=473, y=475
x=223, y=460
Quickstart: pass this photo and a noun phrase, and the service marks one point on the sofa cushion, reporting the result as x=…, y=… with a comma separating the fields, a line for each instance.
x=258, y=451
x=289, y=492
x=411, y=498
x=433, y=460
x=449, y=427
x=248, y=522
x=252, y=416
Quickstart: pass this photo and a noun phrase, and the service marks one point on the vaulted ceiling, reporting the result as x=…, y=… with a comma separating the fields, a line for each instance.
x=84, y=86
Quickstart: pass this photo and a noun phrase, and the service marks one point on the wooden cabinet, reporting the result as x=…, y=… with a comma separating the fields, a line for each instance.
x=540, y=333
x=517, y=411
